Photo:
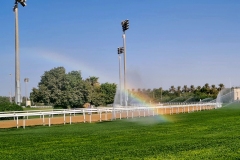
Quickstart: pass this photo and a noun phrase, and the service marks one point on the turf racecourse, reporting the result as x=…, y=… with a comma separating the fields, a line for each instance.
x=211, y=134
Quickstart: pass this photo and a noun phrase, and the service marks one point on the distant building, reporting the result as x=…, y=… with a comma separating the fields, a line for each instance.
x=236, y=93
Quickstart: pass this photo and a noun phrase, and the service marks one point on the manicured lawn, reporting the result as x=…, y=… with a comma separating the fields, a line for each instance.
x=213, y=134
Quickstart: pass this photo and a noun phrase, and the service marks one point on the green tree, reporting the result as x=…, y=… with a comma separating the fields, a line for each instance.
x=93, y=91
x=179, y=91
x=93, y=81
x=185, y=89
x=4, y=99
x=108, y=91
x=198, y=88
x=157, y=94
x=60, y=89
x=221, y=86
x=192, y=88
x=5, y=105
x=214, y=91
x=172, y=89
x=73, y=93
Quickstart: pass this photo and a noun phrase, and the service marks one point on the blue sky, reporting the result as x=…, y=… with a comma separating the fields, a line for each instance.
x=169, y=42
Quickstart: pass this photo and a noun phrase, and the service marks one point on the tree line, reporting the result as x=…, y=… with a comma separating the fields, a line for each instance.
x=64, y=90
x=178, y=94
x=6, y=106
x=69, y=90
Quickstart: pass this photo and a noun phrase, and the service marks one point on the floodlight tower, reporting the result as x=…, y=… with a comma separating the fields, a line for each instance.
x=17, y=63
x=120, y=51
x=125, y=26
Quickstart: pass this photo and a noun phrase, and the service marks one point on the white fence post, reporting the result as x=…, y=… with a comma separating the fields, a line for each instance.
x=84, y=116
x=105, y=115
x=17, y=121
x=43, y=120
x=64, y=118
x=49, y=120
x=24, y=122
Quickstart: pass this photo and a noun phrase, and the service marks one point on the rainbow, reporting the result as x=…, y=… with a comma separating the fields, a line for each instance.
x=68, y=62
x=142, y=101
x=71, y=63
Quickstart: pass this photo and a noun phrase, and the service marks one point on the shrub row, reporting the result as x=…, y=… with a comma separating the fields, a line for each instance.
x=7, y=106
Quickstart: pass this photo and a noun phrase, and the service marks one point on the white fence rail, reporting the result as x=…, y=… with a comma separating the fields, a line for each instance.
x=129, y=111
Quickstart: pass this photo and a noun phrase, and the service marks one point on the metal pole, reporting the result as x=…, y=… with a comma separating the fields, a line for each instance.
x=26, y=81
x=125, y=82
x=11, y=88
x=161, y=94
x=120, y=78
x=26, y=93
x=17, y=63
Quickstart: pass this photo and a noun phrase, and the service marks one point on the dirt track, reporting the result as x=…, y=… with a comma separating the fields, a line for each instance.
x=93, y=117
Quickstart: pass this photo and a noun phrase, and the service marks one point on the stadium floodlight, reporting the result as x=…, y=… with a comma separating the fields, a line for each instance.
x=120, y=51
x=17, y=58
x=125, y=26
x=22, y=2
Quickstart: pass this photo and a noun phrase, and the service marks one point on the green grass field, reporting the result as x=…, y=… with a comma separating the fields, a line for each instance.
x=213, y=134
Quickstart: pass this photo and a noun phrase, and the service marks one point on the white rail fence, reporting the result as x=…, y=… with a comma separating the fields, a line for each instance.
x=117, y=112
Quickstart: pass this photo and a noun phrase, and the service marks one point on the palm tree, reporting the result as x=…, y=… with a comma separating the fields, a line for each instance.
x=192, y=88
x=221, y=86
x=213, y=86
x=179, y=90
x=199, y=88
x=213, y=89
x=185, y=89
x=172, y=89
x=206, y=86
x=93, y=81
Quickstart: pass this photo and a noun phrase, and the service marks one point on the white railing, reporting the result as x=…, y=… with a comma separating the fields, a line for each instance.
x=128, y=111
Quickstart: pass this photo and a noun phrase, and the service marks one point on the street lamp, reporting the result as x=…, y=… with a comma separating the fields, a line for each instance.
x=120, y=51
x=11, y=88
x=26, y=80
x=125, y=26
x=17, y=63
